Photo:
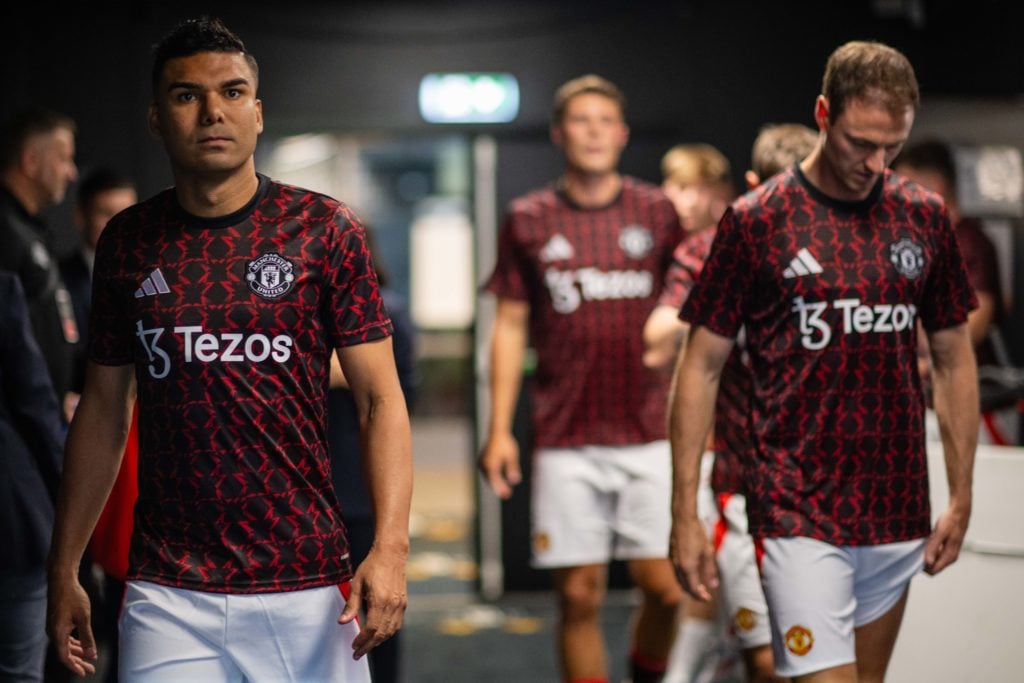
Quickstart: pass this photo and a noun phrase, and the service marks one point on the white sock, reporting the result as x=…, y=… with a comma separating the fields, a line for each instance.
x=695, y=653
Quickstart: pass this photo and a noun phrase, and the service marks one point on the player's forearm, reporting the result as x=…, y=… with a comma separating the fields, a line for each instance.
x=664, y=334
x=508, y=350
x=387, y=461
x=691, y=414
x=92, y=456
x=979, y=321
x=955, y=381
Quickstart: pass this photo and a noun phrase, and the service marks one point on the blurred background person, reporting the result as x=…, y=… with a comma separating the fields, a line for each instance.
x=30, y=458
x=777, y=147
x=930, y=163
x=37, y=161
x=697, y=179
x=101, y=194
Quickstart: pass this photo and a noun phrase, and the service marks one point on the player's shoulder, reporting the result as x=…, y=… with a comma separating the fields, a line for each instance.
x=535, y=202
x=900, y=190
x=289, y=200
x=642, y=189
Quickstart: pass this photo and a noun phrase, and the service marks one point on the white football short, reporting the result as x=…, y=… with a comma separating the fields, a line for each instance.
x=818, y=593
x=591, y=504
x=740, y=592
x=171, y=634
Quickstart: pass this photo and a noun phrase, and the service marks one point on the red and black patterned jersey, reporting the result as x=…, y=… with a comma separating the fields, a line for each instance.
x=829, y=294
x=229, y=323
x=732, y=442
x=591, y=277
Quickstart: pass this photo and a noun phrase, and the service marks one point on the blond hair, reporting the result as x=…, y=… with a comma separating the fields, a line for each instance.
x=778, y=146
x=695, y=163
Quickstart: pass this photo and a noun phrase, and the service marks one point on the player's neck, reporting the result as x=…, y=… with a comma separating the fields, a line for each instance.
x=591, y=189
x=215, y=196
x=822, y=176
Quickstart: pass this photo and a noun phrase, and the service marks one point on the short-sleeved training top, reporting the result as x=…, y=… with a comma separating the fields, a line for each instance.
x=732, y=404
x=830, y=293
x=591, y=278
x=229, y=323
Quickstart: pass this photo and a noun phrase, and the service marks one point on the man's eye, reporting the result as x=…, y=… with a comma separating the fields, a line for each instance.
x=185, y=96
x=234, y=93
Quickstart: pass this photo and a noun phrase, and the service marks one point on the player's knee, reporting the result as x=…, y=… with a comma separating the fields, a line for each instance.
x=664, y=596
x=581, y=598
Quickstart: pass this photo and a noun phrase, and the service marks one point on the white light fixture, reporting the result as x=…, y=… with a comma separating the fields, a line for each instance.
x=469, y=98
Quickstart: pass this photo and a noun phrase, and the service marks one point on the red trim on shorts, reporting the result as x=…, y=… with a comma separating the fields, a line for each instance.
x=994, y=432
x=758, y=553
x=722, y=525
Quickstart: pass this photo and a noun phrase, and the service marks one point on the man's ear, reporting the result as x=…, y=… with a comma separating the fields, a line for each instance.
x=259, y=116
x=751, y=179
x=821, y=110
x=555, y=131
x=153, y=120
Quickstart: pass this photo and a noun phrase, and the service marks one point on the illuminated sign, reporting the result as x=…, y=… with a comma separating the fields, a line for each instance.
x=469, y=98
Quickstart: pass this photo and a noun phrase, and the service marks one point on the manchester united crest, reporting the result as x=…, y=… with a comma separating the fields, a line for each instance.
x=799, y=640
x=636, y=241
x=270, y=276
x=907, y=257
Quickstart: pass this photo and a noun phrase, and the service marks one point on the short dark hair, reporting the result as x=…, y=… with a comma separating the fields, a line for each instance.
x=98, y=181
x=25, y=125
x=193, y=36
x=590, y=83
x=931, y=154
x=872, y=71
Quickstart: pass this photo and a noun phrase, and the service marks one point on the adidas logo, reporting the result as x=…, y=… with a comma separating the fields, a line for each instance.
x=803, y=264
x=557, y=249
x=153, y=285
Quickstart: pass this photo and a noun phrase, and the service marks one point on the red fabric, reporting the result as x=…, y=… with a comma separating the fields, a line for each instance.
x=113, y=533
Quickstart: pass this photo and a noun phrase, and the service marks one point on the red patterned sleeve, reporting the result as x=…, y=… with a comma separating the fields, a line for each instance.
x=354, y=311
x=717, y=299
x=508, y=281
x=948, y=296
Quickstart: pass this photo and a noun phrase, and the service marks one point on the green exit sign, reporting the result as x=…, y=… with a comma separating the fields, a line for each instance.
x=469, y=97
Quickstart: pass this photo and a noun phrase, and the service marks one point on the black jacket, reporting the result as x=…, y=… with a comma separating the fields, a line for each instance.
x=30, y=438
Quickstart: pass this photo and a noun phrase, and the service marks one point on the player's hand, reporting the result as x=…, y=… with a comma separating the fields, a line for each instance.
x=379, y=586
x=946, y=539
x=499, y=464
x=693, y=557
x=68, y=613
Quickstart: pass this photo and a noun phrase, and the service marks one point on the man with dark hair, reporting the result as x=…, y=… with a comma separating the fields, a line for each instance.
x=102, y=194
x=827, y=267
x=37, y=161
x=219, y=301
x=930, y=163
x=580, y=265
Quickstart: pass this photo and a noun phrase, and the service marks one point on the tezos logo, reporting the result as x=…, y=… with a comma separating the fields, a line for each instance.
x=270, y=275
x=907, y=257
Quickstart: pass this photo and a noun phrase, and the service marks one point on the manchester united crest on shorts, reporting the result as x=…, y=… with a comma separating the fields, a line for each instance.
x=270, y=276
x=799, y=640
x=636, y=241
x=907, y=257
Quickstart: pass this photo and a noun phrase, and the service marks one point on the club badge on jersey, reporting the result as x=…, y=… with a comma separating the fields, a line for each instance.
x=907, y=257
x=271, y=275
